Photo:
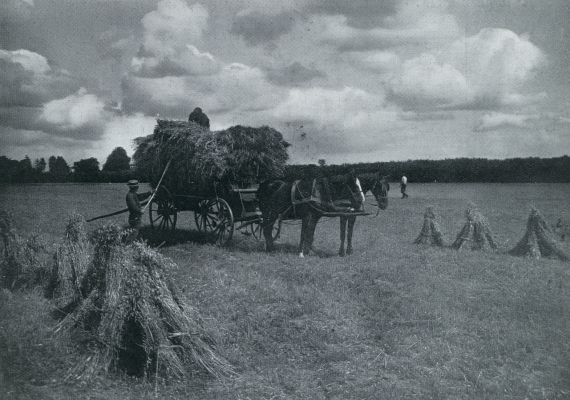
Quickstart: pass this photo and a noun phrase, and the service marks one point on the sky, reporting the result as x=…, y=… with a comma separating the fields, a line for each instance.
x=345, y=81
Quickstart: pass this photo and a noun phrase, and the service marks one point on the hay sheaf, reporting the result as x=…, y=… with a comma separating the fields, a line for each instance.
x=240, y=155
x=132, y=319
x=23, y=259
x=539, y=240
x=476, y=233
x=431, y=232
x=70, y=262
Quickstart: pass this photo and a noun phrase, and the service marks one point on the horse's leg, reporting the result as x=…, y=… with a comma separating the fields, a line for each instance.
x=267, y=233
x=343, y=221
x=311, y=226
x=304, y=225
x=351, y=222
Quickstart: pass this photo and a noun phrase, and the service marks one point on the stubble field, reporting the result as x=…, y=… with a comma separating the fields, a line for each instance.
x=394, y=320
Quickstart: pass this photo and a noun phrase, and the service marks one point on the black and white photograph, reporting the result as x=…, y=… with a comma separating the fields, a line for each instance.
x=303, y=199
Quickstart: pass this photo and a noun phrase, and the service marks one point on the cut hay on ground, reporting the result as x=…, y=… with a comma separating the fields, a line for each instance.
x=70, y=263
x=23, y=260
x=431, y=232
x=476, y=233
x=239, y=155
x=538, y=240
x=132, y=318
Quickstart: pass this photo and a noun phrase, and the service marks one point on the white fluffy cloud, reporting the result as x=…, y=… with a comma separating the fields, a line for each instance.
x=496, y=120
x=337, y=119
x=235, y=88
x=415, y=22
x=171, y=33
x=73, y=112
x=173, y=23
x=482, y=71
x=27, y=79
x=376, y=61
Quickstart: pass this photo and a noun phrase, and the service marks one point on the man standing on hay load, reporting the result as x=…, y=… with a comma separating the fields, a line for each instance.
x=135, y=212
x=199, y=117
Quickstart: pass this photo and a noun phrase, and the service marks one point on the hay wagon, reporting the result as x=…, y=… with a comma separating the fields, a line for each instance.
x=218, y=212
x=211, y=173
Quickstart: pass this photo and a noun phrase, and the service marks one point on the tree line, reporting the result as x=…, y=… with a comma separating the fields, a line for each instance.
x=118, y=168
x=531, y=169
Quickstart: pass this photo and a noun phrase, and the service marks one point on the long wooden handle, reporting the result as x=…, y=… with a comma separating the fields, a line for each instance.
x=111, y=214
x=157, y=186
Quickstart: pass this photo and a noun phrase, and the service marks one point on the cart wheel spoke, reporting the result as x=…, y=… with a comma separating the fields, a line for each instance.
x=162, y=210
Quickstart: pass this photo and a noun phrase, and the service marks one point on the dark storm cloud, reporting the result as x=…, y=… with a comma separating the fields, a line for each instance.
x=294, y=74
x=256, y=28
x=24, y=87
x=30, y=119
x=360, y=13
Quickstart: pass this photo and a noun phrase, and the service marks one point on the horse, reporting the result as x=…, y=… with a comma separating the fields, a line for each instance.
x=379, y=187
x=276, y=201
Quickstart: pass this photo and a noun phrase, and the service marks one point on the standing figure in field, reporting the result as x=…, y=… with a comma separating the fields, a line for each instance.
x=135, y=211
x=199, y=117
x=403, y=186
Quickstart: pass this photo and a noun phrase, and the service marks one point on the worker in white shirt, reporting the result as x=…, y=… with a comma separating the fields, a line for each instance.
x=403, y=185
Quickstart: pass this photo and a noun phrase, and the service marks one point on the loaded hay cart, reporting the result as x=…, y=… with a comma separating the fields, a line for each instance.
x=212, y=174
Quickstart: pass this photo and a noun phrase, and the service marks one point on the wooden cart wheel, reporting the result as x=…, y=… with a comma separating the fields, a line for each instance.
x=201, y=215
x=215, y=217
x=257, y=230
x=162, y=211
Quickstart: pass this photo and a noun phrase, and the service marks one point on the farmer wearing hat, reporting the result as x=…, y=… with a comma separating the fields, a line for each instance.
x=133, y=204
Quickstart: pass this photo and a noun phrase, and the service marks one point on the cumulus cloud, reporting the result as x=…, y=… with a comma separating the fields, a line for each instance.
x=482, y=71
x=496, y=120
x=294, y=74
x=27, y=79
x=115, y=42
x=414, y=23
x=19, y=10
x=360, y=13
x=76, y=111
x=174, y=61
x=337, y=119
x=256, y=28
x=173, y=23
x=236, y=87
x=80, y=115
x=171, y=33
x=376, y=61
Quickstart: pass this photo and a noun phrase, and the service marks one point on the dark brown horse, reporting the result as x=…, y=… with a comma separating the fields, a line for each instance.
x=379, y=187
x=277, y=201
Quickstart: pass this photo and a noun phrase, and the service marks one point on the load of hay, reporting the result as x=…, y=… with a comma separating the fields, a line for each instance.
x=538, y=240
x=23, y=260
x=70, y=262
x=431, y=232
x=476, y=233
x=198, y=157
x=131, y=318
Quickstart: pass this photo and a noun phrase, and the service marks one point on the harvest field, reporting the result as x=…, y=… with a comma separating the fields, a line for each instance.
x=394, y=320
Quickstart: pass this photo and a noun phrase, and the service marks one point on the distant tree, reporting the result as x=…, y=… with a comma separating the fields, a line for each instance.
x=86, y=170
x=9, y=169
x=25, y=171
x=118, y=160
x=40, y=165
x=58, y=168
x=322, y=162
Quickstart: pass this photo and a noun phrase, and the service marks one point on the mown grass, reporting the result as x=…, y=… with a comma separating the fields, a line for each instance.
x=393, y=321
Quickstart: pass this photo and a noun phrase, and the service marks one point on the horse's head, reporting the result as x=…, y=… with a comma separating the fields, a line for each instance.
x=380, y=189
